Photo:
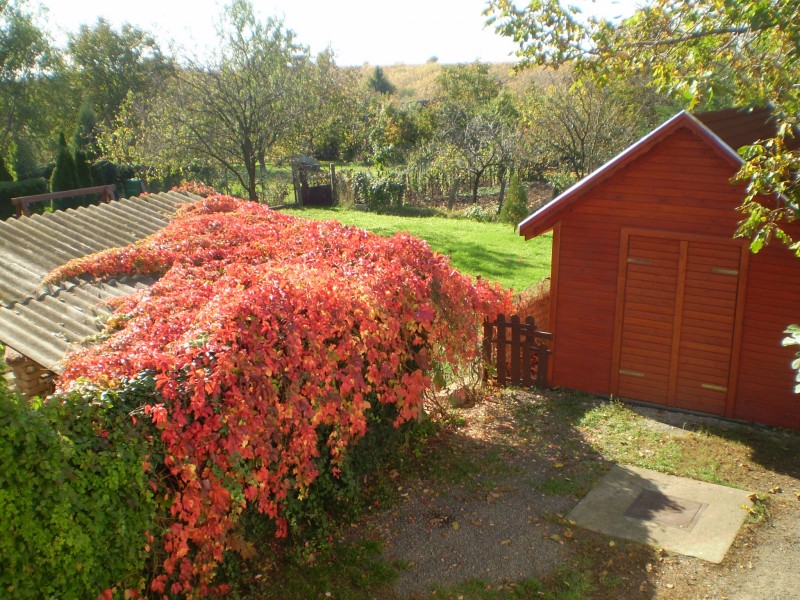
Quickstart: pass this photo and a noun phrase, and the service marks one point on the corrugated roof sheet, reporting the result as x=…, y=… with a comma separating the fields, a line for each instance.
x=43, y=322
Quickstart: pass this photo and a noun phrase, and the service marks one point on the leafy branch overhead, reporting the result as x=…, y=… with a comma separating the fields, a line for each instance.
x=707, y=53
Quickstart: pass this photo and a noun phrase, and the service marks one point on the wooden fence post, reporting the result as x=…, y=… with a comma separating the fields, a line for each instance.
x=515, y=350
x=501, y=350
x=488, y=330
x=527, y=346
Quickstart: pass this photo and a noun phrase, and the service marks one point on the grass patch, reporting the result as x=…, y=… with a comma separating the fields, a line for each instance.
x=492, y=250
x=566, y=583
x=620, y=435
x=353, y=570
x=720, y=453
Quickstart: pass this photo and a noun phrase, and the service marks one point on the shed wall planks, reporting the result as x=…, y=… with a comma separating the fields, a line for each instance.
x=680, y=187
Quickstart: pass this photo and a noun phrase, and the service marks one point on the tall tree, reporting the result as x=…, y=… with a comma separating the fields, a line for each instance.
x=706, y=52
x=576, y=126
x=331, y=101
x=25, y=58
x=111, y=63
x=243, y=103
x=476, y=123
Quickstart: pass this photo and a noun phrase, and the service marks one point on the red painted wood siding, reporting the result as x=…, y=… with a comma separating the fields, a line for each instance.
x=773, y=301
x=680, y=186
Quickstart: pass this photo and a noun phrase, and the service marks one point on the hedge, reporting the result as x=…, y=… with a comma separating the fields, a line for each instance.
x=75, y=508
x=15, y=189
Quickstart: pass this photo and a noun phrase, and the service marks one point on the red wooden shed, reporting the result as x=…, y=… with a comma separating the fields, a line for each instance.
x=652, y=299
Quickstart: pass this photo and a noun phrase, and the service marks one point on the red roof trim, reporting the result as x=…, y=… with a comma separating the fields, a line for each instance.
x=546, y=217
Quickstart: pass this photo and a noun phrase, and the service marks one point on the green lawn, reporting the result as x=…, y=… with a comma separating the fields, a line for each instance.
x=492, y=250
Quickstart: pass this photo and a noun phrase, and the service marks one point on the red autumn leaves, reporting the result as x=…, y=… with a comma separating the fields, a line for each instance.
x=262, y=328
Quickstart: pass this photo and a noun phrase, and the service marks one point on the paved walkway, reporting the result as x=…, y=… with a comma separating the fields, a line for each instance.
x=678, y=514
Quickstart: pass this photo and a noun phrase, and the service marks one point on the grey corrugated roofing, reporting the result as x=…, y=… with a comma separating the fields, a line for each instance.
x=43, y=322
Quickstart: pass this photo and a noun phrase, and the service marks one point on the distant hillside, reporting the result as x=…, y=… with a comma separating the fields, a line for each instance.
x=418, y=82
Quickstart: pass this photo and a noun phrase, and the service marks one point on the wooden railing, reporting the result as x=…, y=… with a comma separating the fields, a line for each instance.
x=23, y=203
x=517, y=351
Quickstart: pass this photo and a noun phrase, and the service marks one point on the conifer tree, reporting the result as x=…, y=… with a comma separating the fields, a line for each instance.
x=84, y=137
x=379, y=83
x=65, y=176
x=515, y=208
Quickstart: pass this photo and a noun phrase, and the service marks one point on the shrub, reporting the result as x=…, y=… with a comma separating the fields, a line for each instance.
x=515, y=208
x=16, y=189
x=198, y=188
x=105, y=172
x=273, y=341
x=560, y=181
x=378, y=193
x=74, y=502
x=478, y=213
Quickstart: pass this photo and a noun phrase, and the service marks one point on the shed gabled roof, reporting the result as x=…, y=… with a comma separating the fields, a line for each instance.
x=546, y=217
x=739, y=127
x=43, y=322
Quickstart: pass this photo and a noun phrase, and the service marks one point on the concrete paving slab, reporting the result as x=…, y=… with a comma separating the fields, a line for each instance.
x=675, y=513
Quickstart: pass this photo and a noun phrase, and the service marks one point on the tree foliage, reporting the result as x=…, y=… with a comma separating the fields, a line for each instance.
x=65, y=175
x=708, y=53
x=5, y=173
x=270, y=339
x=329, y=109
x=242, y=105
x=25, y=57
x=110, y=64
x=475, y=130
x=379, y=83
x=576, y=126
x=515, y=208
x=85, y=135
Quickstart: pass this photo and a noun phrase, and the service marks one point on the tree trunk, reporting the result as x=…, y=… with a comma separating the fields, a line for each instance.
x=475, y=183
x=503, y=182
x=252, y=182
x=451, y=195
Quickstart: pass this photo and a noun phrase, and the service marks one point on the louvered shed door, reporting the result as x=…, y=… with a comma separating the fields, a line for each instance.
x=707, y=327
x=649, y=317
x=676, y=331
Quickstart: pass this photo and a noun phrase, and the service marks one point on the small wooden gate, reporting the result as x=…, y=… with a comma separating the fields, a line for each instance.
x=517, y=350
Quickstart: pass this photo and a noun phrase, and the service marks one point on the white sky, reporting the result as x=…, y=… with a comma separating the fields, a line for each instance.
x=378, y=32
